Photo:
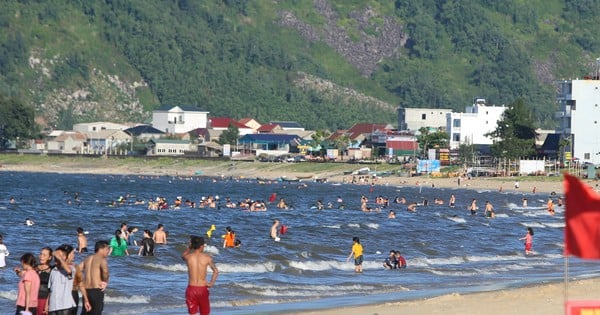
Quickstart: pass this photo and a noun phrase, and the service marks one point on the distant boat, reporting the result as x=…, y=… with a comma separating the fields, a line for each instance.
x=362, y=171
x=288, y=179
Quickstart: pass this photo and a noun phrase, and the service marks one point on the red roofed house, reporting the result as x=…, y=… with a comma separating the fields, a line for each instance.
x=250, y=122
x=223, y=123
x=269, y=128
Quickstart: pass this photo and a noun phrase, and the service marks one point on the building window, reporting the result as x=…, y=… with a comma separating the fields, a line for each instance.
x=456, y=123
x=423, y=116
x=456, y=137
x=572, y=103
x=586, y=156
x=486, y=122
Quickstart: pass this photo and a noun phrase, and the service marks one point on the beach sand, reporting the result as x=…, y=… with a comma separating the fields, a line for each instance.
x=539, y=299
x=547, y=299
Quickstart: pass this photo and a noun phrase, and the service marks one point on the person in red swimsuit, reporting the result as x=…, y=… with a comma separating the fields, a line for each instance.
x=197, y=294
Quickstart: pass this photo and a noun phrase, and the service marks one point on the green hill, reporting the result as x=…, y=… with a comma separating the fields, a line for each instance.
x=324, y=63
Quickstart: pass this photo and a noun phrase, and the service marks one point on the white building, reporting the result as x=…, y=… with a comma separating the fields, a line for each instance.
x=470, y=127
x=179, y=119
x=166, y=147
x=580, y=117
x=97, y=126
x=416, y=118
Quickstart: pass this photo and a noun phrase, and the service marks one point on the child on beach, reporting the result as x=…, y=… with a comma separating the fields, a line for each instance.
x=357, y=251
x=528, y=241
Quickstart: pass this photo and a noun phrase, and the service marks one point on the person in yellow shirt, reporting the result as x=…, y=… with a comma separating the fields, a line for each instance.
x=357, y=251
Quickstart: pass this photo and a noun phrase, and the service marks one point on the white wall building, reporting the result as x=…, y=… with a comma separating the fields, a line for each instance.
x=470, y=127
x=416, y=118
x=580, y=117
x=97, y=126
x=179, y=119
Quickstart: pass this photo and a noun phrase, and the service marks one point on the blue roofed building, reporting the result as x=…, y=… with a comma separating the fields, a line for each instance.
x=270, y=144
x=144, y=132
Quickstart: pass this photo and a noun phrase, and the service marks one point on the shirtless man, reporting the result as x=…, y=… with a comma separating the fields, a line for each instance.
x=160, y=237
x=95, y=277
x=81, y=241
x=274, y=229
x=196, y=294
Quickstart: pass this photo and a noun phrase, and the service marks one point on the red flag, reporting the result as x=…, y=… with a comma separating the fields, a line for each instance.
x=582, y=219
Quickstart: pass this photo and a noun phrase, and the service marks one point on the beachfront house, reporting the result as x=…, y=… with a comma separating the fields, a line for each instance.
x=97, y=126
x=270, y=144
x=111, y=142
x=66, y=142
x=179, y=119
x=288, y=125
x=144, y=132
x=168, y=147
x=580, y=118
x=472, y=126
x=223, y=123
x=250, y=122
x=417, y=118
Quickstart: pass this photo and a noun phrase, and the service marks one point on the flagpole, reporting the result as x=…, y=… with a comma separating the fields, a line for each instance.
x=566, y=279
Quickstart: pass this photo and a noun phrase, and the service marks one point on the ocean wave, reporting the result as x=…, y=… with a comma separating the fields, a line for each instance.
x=175, y=267
x=9, y=295
x=320, y=265
x=457, y=219
x=134, y=299
x=266, y=266
x=335, y=226
x=354, y=225
x=555, y=224
x=374, y=226
x=533, y=224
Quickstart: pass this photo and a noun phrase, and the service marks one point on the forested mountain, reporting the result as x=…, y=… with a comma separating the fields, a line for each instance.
x=324, y=63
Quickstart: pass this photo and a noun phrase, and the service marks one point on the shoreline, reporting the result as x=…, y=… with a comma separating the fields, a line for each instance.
x=305, y=171
x=545, y=298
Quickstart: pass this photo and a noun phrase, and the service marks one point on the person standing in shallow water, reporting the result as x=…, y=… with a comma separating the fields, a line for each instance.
x=528, y=241
x=357, y=251
x=197, y=293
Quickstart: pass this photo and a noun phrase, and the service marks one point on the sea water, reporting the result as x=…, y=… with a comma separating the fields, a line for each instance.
x=447, y=249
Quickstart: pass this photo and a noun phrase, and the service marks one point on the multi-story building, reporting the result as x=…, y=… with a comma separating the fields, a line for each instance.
x=579, y=102
x=416, y=118
x=472, y=126
x=179, y=119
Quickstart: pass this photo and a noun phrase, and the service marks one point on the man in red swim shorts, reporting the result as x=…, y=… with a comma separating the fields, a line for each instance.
x=196, y=294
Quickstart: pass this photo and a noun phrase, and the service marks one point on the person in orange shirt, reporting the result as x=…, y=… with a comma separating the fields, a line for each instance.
x=229, y=238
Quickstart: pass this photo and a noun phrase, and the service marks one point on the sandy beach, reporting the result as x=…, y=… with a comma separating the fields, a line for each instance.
x=546, y=298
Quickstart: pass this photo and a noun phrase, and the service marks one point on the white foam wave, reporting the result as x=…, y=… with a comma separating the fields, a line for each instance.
x=211, y=249
x=533, y=224
x=336, y=226
x=267, y=266
x=354, y=225
x=9, y=295
x=373, y=226
x=502, y=215
x=134, y=299
x=175, y=267
x=320, y=265
x=555, y=224
x=457, y=219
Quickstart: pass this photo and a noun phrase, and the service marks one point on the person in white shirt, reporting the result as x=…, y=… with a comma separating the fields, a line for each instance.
x=3, y=252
